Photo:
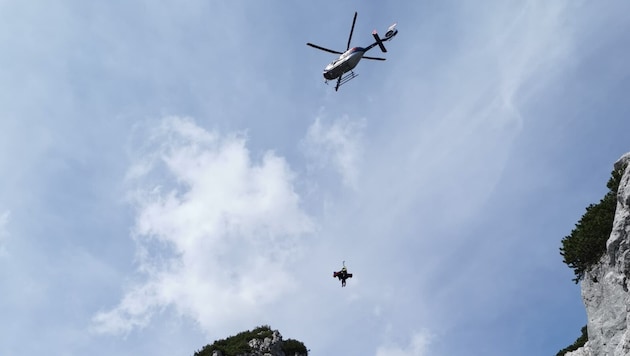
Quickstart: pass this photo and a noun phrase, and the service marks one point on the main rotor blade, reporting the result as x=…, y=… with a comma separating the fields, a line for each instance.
x=374, y=58
x=322, y=48
x=351, y=30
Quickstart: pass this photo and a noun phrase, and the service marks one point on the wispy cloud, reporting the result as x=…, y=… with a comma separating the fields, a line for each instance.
x=213, y=234
x=338, y=144
x=418, y=346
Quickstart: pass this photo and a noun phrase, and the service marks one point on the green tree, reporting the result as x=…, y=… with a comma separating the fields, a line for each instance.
x=587, y=242
x=291, y=347
x=237, y=344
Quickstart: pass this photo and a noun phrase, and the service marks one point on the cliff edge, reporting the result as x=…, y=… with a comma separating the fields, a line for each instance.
x=605, y=285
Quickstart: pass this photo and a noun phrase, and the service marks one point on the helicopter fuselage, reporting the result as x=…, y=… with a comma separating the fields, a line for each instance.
x=345, y=63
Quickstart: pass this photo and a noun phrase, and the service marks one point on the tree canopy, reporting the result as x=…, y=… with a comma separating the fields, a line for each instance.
x=587, y=242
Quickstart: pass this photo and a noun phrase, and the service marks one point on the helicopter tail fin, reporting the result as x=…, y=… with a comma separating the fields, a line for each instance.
x=391, y=32
x=379, y=41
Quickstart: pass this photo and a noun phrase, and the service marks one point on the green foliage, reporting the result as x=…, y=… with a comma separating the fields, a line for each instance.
x=239, y=343
x=587, y=242
x=577, y=344
x=291, y=347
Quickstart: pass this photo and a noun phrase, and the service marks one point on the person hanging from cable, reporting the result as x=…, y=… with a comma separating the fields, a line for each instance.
x=343, y=274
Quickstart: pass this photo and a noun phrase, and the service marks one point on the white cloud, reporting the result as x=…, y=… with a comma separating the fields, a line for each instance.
x=338, y=144
x=214, y=235
x=418, y=346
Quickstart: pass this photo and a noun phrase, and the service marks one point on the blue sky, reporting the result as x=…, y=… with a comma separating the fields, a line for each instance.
x=175, y=173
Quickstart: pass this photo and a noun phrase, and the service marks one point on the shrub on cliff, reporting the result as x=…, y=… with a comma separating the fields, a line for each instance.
x=587, y=242
x=292, y=347
x=577, y=344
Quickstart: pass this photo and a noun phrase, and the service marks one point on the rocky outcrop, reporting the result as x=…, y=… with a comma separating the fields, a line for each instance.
x=269, y=346
x=605, y=286
x=262, y=341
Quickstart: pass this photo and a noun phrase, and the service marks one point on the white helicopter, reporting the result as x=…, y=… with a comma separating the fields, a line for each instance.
x=351, y=57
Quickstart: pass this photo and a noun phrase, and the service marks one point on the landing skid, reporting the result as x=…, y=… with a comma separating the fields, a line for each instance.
x=344, y=78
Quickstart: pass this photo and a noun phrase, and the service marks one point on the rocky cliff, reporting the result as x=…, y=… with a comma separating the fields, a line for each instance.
x=605, y=286
x=262, y=341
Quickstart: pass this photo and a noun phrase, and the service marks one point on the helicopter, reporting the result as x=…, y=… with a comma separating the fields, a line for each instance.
x=349, y=59
x=342, y=275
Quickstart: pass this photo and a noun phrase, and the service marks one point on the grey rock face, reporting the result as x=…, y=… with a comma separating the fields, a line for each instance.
x=269, y=346
x=605, y=287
